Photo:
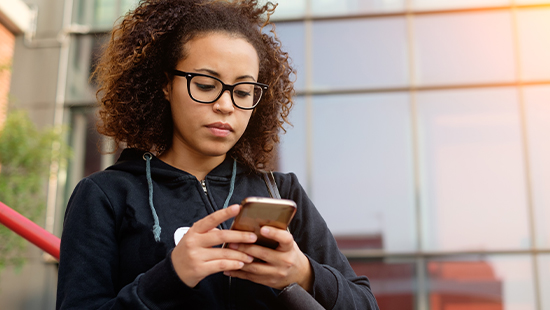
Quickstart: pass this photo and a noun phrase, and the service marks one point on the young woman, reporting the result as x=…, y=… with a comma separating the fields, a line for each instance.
x=198, y=94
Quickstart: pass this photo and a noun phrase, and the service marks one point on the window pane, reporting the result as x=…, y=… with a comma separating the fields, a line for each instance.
x=292, y=36
x=491, y=283
x=362, y=169
x=349, y=54
x=292, y=149
x=83, y=54
x=289, y=9
x=544, y=277
x=534, y=43
x=472, y=174
x=393, y=284
x=455, y=4
x=102, y=14
x=127, y=5
x=538, y=130
x=464, y=48
x=349, y=7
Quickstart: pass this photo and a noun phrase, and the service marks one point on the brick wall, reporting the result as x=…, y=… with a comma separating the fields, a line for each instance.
x=7, y=42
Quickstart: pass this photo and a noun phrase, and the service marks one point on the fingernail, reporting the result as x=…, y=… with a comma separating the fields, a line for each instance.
x=250, y=259
x=227, y=273
x=233, y=246
x=241, y=264
x=252, y=237
x=234, y=207
x=265, y=230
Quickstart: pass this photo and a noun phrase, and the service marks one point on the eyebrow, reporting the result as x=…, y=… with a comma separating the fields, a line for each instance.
x=216, y=74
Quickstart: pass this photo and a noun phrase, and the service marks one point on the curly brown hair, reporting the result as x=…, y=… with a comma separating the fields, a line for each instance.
x=147, y=45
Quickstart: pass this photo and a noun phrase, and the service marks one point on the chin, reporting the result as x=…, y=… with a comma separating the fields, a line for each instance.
x=216, y=152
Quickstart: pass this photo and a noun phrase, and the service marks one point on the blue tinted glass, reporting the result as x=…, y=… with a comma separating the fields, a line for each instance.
x=360, y=53
x=289, y=9
x=293, y=40
x=455, y=4
x=348, y=7
x=362, y=168
x=293, y=148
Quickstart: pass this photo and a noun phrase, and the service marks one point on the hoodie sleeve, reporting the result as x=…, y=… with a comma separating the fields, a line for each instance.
x=335, y=286
x=89, y=262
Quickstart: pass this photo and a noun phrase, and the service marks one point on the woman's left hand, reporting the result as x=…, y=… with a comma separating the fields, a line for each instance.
x=281, y=267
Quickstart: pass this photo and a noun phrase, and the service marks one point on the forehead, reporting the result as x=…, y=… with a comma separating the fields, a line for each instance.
x=220, y=51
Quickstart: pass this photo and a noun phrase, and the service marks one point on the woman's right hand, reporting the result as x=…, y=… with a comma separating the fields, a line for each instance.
x=195, y=257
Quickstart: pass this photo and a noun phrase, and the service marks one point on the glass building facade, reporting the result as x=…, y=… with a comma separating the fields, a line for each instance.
x=421, y=131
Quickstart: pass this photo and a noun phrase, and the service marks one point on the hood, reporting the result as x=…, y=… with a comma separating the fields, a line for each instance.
x=132, y=161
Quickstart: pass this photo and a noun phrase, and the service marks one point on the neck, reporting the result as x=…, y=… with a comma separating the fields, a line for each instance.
x=195, y=164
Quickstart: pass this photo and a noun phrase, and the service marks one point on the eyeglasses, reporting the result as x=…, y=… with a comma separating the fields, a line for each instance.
x=207, y=89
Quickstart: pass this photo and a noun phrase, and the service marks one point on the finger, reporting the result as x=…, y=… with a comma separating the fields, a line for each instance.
x=226, y=254
x=222, y=265
x=217, y=237
x=285, y=239
x=266, y=254
x=213, y=220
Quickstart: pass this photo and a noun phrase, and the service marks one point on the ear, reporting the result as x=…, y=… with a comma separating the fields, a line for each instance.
x=167, y=88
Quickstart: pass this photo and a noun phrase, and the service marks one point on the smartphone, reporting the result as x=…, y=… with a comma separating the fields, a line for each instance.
x=262, y=211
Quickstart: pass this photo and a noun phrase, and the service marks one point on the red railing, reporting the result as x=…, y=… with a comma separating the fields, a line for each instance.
x=29, y=230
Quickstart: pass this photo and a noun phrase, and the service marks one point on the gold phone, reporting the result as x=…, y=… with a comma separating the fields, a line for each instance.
x=262, y=211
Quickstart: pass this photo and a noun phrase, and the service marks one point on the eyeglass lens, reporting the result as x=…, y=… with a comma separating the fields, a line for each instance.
x=207, y=89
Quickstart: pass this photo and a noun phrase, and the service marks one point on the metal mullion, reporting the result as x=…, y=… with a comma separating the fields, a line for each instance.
x=418, y=88
x=376, y=254
x=308, y=29
x=526, y=153
x=422, y=294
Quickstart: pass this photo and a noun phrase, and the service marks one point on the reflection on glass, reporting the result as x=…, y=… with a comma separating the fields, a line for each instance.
x=538, y=130
x=105, y=13
x=464, y=48
x=393, y=284
x=488, y=283
x=534, y=43
x=127, y=5
x=358, y=53
x=472, y=175
x=362, y=178
x=102, y=14
x=544, y=278
x=292, y=149
x=289, y=9
x=455, y=4
x=350, y=7
x=292, y=36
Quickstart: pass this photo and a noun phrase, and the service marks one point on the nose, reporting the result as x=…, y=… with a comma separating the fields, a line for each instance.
x=224, y=104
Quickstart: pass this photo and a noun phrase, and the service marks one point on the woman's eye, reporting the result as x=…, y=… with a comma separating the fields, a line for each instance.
x=241, y=93
x=205, y=87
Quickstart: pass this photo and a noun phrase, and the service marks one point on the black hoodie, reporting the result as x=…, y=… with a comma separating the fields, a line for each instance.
x=110, y=259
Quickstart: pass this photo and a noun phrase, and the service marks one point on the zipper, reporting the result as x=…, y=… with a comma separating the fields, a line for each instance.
x=203, y=183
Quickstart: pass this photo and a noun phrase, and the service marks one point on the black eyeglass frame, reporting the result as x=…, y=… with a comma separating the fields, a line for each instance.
x=190, y=75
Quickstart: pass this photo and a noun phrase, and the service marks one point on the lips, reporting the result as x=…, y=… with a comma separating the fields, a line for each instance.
x=220, y=129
